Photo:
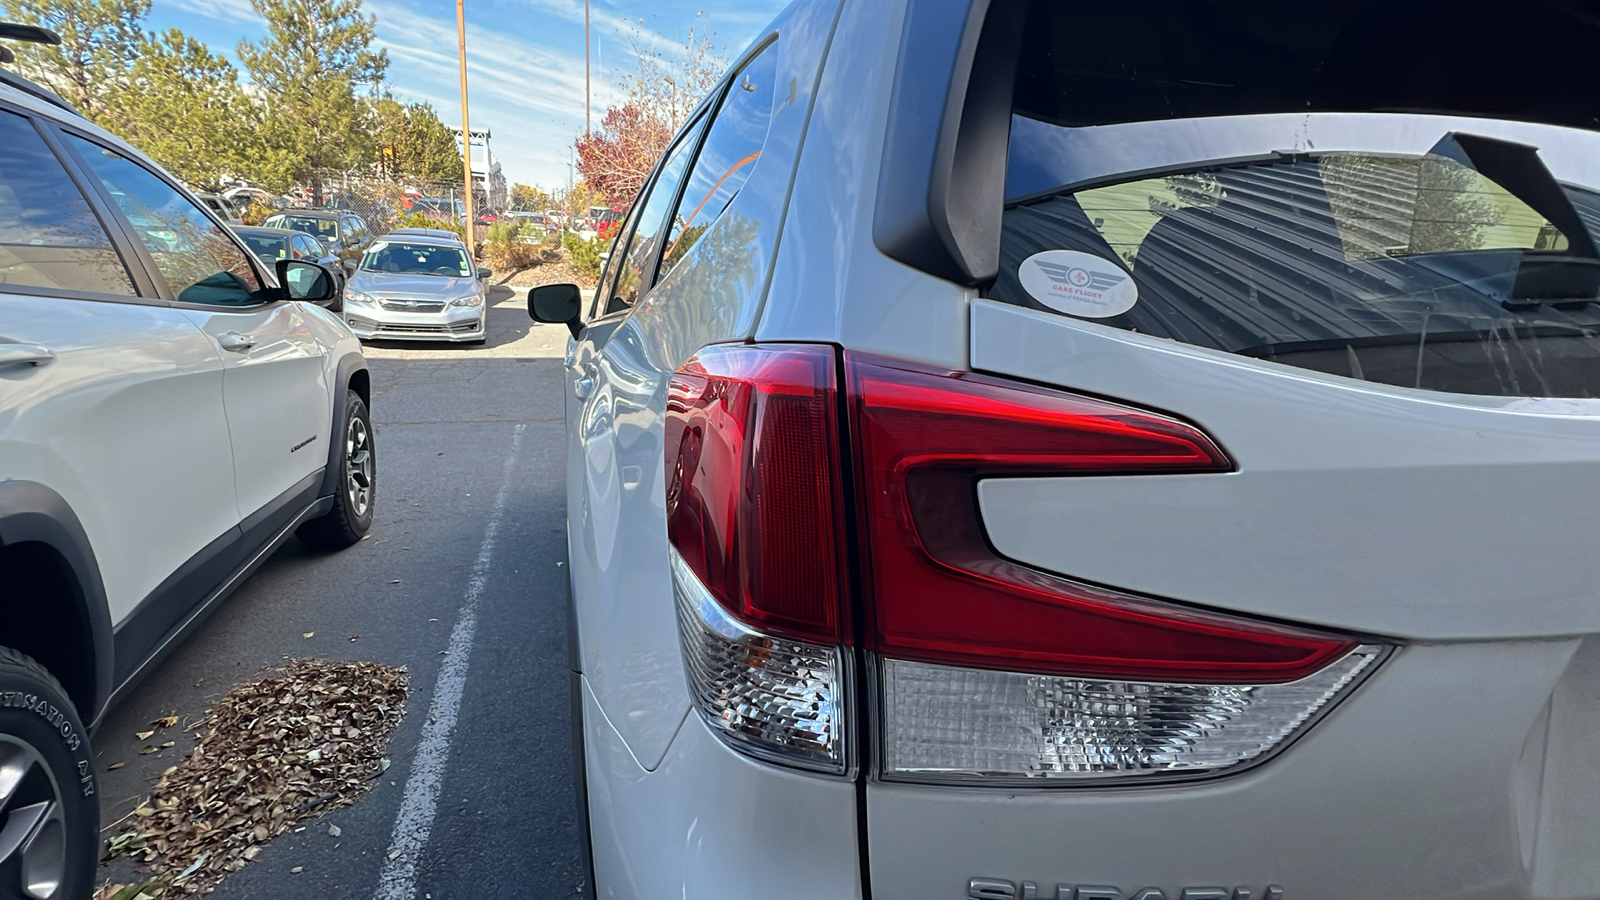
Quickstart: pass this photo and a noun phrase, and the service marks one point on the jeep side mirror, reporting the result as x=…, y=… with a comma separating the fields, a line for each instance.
x=556, y=304
x=305, y=280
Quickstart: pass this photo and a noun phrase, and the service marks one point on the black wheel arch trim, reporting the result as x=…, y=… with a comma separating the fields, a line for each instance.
x=349, y=365
x=31, y=512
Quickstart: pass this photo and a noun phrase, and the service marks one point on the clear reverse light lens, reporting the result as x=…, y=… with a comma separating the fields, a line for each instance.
x=774, y=698
x=943, y=723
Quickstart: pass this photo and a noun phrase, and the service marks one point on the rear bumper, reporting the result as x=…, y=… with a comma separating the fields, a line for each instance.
x=1455, y=771
x=711, y=824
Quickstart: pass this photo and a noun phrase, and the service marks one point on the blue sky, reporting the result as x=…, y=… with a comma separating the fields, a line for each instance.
x=524, y=58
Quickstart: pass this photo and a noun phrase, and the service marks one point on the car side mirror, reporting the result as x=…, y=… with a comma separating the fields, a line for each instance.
x=307, y=281
x=484, y=274
x=556, y=304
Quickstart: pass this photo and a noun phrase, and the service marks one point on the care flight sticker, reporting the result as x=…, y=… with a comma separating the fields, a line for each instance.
x=1078, y=284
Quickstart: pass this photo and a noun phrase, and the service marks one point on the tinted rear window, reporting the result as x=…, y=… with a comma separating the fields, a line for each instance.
x=327, y=228
x=1417, y=271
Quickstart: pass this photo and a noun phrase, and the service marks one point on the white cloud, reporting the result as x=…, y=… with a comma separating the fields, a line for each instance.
x=529, y=95
x=222, y=10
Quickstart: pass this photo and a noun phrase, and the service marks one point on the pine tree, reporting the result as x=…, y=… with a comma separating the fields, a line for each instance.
x=183, y=106
x=100, y=40
x=412, y=143
x=307, y=71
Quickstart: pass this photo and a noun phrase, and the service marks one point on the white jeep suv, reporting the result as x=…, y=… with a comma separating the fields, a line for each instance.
x=1097, y=451
x=168, y=416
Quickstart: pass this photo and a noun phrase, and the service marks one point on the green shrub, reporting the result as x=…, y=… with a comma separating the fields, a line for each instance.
x=508, y=245
x=585, y=254
x=420, y=220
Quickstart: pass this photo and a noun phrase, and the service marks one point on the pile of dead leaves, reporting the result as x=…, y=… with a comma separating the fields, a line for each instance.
x=274, y=752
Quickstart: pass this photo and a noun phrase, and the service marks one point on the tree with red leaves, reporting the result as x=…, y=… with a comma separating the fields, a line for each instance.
x=615, y=159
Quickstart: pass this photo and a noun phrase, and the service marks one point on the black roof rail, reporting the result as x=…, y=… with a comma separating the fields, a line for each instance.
x=33, y=34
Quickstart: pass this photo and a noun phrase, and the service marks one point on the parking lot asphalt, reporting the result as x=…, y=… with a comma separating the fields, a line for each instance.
x=469, y=517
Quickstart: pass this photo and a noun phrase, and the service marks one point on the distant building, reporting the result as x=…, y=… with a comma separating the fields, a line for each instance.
x=488, y=182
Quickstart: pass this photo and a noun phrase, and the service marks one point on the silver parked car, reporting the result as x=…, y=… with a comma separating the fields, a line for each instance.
x=418, y=287
x=1121, y=451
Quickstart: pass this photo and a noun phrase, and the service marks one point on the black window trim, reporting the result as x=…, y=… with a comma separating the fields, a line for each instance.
x=269, y=283
x=122, y=243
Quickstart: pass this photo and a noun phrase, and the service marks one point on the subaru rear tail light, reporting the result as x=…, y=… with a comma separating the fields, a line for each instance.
x=989, y=671
x=755, y=519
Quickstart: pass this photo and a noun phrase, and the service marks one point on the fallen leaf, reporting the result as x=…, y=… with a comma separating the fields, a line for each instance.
x=353, y=638
x=395, y=581
x=166, y=745
x=308, y=634
x=297, y=870
x=147, y=749
x=334, y=831
x=143, y=735
x=192, y=868
x=115, y=766
x=270, y=755
x=165, y=722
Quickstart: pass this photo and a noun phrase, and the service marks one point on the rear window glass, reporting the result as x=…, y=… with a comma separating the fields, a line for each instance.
x=269, y=249
x=1417, y=271
x=324, y=228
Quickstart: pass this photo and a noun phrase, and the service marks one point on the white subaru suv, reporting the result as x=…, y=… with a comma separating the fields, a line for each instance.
x=168, y=416
x=1101, y=451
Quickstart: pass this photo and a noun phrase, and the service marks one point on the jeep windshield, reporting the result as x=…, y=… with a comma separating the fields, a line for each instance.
x=416, y=259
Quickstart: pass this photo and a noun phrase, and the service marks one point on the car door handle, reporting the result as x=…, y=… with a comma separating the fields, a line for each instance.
x=31, y=354
x=583, y=385
x=236, y=342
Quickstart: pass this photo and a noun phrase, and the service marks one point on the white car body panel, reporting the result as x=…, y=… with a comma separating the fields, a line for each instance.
x=127, y=424
x=616, y=480
x=1451, y=489
x=703, y=824
x=830, y=283
x=278, y=397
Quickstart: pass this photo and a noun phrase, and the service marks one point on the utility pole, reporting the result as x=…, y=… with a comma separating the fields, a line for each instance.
x=586, y=67
x=466, y=128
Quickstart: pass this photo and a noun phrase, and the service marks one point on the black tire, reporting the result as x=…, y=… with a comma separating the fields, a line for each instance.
x=42, y=738
x=356, y=492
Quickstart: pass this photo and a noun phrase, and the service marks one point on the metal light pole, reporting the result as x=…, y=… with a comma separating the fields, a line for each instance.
x=586, y=66
x=466, y=129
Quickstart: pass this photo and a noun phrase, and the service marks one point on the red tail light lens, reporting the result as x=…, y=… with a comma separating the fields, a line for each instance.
x=754, y=501
x=755, y=507
x=938, y=593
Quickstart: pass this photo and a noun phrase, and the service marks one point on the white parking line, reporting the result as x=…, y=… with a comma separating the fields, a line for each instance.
x=414, y=823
